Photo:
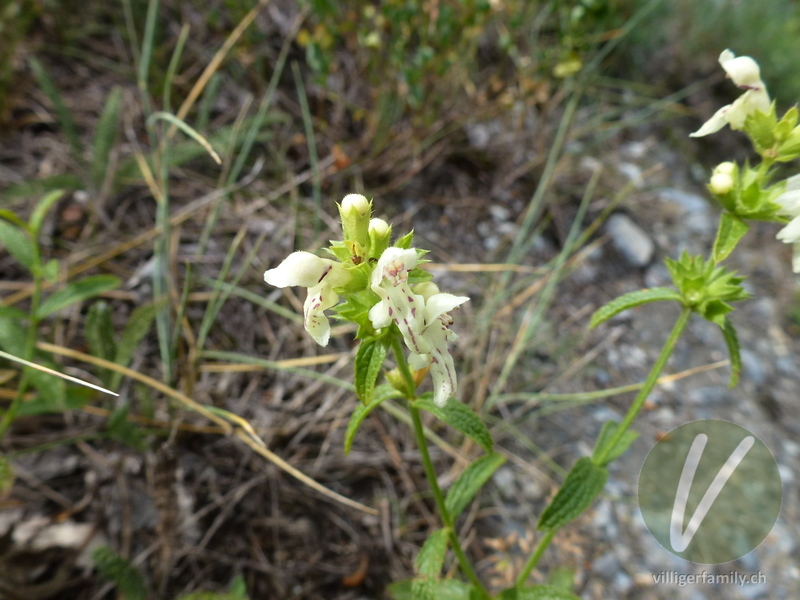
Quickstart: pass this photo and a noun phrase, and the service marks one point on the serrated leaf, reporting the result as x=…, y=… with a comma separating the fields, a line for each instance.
x=732, y=340
x=423, y=588
x=583, y=484
x=381, y=394
x=760, y=127
x=430, y=559
x=105, y=135
x=7, y=476
x=731, y=230
x=405, y=241
x=42, y=208
x=470, y=481
x=122, y=573
x=18, y=244
x=446, y=589
x=77, y=291
x=461, y=417
x=603, y=440
x=368, y=363
x=537, y=592
x=632, y=300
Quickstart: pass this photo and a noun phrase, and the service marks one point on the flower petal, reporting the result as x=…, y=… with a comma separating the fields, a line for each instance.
x=441, y=303
x=714, y=124
x=319, y=298
x=790, y=202
x=390, y=263
x=380, y=315
x=299, y=268
x=790, y=233
x=743, y=70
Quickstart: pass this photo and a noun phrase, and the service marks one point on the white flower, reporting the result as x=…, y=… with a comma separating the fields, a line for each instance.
x=424, y=323
x=790, y=207
x=320, y=276
x=745, y=74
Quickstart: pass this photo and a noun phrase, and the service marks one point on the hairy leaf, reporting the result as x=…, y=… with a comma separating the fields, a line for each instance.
x=583, y=484
x=460, y=416
x=381, y=394
x=122, y=573
x=732, y=340
x=18, y=244
x=604, y=439
x=470, y=481
x=77, y=291
x=369, y=360
x=731, y=230
x=631, y=300
x=430, y=559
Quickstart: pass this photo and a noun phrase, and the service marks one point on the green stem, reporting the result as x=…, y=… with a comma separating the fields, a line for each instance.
x=534, y=558
x=649, y=384
x=430, y=472
x=644, y=392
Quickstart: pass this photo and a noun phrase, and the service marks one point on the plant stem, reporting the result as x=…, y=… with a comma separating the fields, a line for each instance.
x=430, y=472
x=644, y=392
x=534, y=558
x=649, y=384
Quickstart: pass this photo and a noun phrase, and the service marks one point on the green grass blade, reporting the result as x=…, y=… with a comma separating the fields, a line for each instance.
x=105, y=136
x=308, y=125
x=187, y=129
x=62, y=112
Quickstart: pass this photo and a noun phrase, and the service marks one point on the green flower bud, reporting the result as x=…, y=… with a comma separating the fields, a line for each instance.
x=354, y=211
x=380, y=234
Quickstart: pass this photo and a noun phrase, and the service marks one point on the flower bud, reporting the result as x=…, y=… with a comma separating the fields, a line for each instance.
x=354, y=211
x=720, y=184
x=725, y=168
x=380, y=233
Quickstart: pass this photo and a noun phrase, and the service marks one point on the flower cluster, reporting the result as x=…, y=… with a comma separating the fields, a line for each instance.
x=384, y=290
x=745, y=192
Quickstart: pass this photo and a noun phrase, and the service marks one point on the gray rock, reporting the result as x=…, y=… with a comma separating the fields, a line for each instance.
x=504, y=480
x=753, y=367
x=630, y=240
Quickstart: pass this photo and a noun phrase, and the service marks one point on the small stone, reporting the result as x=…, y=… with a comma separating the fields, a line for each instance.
x=753, y=367
x=630, y=240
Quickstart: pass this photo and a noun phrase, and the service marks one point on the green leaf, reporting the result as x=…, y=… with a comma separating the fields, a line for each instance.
x=460, y=416
x=37, y=187
x=54, y=396
x=583, y=484
x=470, y=481
x=423, y=588
x=12, y=217
x=12, y=312
x=760, y=127
x=42, y=208
x=77, y=291
x=122, y=573
x=732, y=340
x=369, y=360
x=731, y=230
x=537, y=592
x=7, y=475
x=446, y=589
x=50, y=270
x=381, y=394
x=18, y=244
x=105, y=135
x=562, y=578
x=99, y=332
x=430, y=559
x=631, y=300
x=405, y=241
x=604, y=439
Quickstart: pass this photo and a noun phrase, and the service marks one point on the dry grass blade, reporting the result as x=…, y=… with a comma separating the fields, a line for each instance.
x=56, y=373
x=243, y=435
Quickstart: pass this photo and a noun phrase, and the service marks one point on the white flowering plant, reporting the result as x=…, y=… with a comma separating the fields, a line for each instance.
x=382, y=287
